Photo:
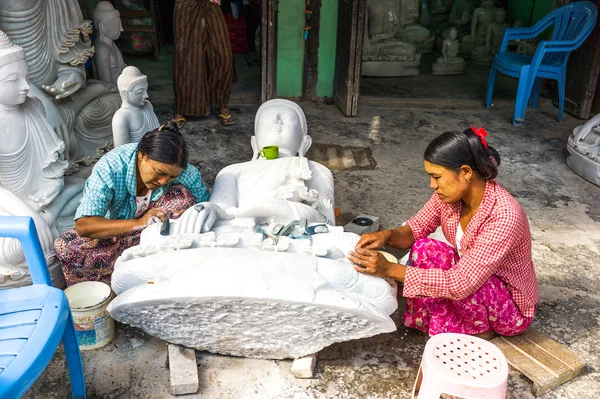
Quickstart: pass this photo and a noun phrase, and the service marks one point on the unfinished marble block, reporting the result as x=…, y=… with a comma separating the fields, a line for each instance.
x=230, y=301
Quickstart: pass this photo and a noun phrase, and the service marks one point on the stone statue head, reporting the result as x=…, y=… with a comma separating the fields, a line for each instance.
x=13, y=73
x=133, y=86
x=282, y=123
x=488, y=3
x=500, y=16
x=453, y=33
x=107, y=21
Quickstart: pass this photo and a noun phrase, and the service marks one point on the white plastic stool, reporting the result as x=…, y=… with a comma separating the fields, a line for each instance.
x=463, y=366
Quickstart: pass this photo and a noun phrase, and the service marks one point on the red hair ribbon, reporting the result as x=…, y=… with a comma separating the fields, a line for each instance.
x=481, y=133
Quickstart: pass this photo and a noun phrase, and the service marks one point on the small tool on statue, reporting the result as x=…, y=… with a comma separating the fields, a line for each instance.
x=165, y=227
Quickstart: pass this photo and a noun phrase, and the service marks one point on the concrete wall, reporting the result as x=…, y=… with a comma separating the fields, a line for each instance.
x=290, y=47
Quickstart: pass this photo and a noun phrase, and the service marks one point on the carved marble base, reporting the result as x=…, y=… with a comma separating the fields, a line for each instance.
x=246, y=302
x=56, y=274
x=456, y=67
x=482, y=56
x=586, y=166
x=390, y=68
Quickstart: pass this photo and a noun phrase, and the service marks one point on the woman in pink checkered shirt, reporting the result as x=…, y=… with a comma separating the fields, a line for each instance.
x=484, y=280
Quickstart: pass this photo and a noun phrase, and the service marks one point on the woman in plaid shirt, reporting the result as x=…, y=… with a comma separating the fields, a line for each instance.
x=485, y=281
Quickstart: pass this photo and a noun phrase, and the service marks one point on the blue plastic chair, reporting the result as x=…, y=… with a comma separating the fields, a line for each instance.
x=33, y=320
x=573, y=23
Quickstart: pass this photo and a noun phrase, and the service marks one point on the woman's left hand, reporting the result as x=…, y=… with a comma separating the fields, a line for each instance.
x=371, y=262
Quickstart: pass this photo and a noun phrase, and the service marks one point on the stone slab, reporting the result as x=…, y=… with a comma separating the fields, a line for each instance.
x=183, y=370
x=304, y=367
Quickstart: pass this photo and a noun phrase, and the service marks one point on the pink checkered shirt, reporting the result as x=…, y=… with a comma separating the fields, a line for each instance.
x=497, y=242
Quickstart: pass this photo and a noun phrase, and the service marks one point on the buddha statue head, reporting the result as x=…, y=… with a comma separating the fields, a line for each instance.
x=133, y=87
x=453, y=33
x=107, y=21
x=281, y=123
x=13, y=73
x=488, y=3
x=500, y=16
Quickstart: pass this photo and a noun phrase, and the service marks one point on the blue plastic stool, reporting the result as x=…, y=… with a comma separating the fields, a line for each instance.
x=573, y=23
x=33, y=320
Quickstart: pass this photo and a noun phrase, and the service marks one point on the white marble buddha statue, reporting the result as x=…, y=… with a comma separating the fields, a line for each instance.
x=136, y=116
x=245, y=291
x=32, y=164
x=408, y=28
x=383, y=54
x=482, y=17
x=449, y=63
x=484, y=55
x=56, y=42
x=108, y=59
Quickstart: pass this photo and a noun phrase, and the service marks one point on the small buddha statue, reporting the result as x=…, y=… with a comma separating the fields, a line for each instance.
x=482, y=17
x=460, y=17
x=136, y=116
x=409, y=30
x=449, y=63
x=484, y=55
x=384, y=55
x=108, y=59
x=32, y=165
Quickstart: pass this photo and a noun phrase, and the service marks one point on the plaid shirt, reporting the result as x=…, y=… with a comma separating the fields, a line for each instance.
x=111, y=188
x=497, y=242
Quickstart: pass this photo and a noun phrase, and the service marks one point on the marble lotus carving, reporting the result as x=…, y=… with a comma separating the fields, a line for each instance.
x=108, y=60
x=56, y=42
x=32, y=166
x=383, y=54
x=584, y=150
x=136, y=116
x=449, y=63
x=228, y=280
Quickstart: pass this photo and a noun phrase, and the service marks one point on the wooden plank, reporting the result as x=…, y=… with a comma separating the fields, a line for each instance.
x=525, y=364
x=545, y=362
x=557, y=350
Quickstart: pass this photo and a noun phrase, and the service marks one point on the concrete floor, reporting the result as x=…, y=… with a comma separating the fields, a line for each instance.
x=563, y=209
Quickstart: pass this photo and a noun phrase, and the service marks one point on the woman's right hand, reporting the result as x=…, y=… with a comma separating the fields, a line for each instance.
x=153, y=215
x=374, y=240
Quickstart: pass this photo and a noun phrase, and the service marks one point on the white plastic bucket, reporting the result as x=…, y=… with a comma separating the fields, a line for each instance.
x=94, y=326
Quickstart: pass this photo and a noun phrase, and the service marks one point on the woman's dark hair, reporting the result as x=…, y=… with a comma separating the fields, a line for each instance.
x=455, y=149
x=166, y=145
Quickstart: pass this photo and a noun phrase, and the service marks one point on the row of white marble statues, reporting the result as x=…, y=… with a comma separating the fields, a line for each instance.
x=53, y=120
x=394, y=40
